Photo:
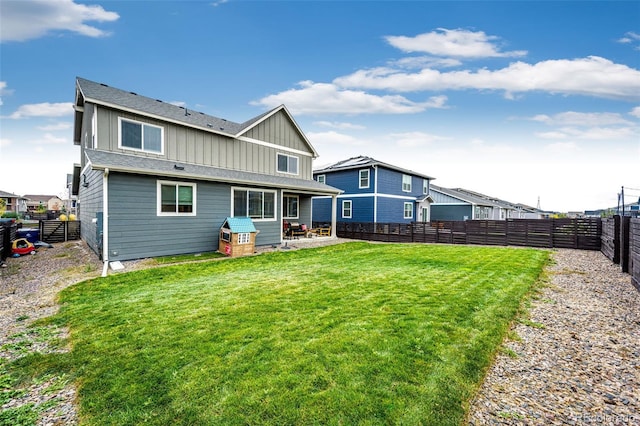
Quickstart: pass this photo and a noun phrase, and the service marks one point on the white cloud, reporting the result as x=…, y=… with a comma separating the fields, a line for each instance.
x=562, y=148
x=49, y=139
x=45, y=109
x=178, y=103
x=592, y=133
x=592, y=76
x=333, y=138
x=338, y=125
x=55, y=126
x=551, y=135
x=325, y=98
x=219, y=2
x=635, y=112
x=5, y=142
x=425, y=62
x=457, y=43
x=25, y=20
x=631, y=38
x=415, y=139
x=571, y=118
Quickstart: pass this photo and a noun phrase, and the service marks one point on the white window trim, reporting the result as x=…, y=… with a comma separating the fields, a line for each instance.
x=284, y=203
x=410, y=182
x=321, y=179
x=350, y=209
x=360, y=186
x=405, y=210
x=425, y=186
x=244, y=238
x=278, y=154
x=121, y=119
x=159, y=184
x=275, y=202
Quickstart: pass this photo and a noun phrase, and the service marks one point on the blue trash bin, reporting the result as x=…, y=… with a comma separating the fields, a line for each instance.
x=31, y=234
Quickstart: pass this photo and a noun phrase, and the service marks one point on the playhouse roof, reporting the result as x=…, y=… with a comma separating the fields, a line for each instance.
x=239, y=224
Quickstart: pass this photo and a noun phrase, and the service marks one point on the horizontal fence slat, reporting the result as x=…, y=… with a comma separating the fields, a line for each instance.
x=585, y=234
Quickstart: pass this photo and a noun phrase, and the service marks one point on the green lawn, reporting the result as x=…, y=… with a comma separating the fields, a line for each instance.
x=355, y=333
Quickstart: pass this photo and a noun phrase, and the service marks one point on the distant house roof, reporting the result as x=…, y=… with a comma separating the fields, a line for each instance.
x=112, y=97
x=462, y=196
x=8, y=195
x=40, y=198
x=364, y=161
x=101, y=160
x=239, y=224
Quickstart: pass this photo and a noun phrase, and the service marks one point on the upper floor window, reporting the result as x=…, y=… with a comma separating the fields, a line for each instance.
x=406, y=183
x=290, y=207
x=408, y=210
x=321, y=178
x=140, y=136
x=364, y=178
x=288, y=164
x=425, y=186
x=255, y=204
x=176, y=198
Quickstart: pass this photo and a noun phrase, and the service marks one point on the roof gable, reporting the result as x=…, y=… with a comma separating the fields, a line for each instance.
x=239, y=224
x=249, y=128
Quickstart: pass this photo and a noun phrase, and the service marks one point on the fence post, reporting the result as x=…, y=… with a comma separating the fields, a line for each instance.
x=616, y=239
x=625, y=225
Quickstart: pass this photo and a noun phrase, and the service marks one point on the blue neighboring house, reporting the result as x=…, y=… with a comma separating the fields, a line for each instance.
x=373, y=192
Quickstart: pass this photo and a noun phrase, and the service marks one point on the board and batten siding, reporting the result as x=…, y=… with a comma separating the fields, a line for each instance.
x=194, y=146
x=90, y=206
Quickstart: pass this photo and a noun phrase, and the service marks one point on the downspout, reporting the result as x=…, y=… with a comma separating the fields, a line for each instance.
x=105, y=221
x=375, y=193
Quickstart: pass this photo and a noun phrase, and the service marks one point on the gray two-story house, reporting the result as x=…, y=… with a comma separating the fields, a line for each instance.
x=158, y=179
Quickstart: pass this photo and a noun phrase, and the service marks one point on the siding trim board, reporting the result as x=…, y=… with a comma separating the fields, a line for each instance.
x=272, y=145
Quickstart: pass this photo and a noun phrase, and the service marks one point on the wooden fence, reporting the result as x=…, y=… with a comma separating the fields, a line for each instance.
x=583, y=234
x=7, y=235
x=57, y=231
x=621, y=244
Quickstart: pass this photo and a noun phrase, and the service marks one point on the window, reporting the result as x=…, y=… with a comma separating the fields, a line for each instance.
x=288, y=164
x=482, y=212
x=364, y=178
x=406, y=183
x=322, y=178
x=425, y=186
x=408, y=210
x=346, y=209
x=176, y=198
x=244, y=238
x=290, y=207
x=140, y=136
x=255, y=204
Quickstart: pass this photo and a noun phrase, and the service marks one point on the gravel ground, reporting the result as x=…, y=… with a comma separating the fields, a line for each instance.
x=575, y=359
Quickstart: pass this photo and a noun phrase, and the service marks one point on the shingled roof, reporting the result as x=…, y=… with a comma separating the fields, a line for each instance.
x=101, y=160
x=103, y=94
x=364, y=161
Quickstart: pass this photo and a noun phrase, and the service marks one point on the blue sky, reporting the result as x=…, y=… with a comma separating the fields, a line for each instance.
x=517, y=100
